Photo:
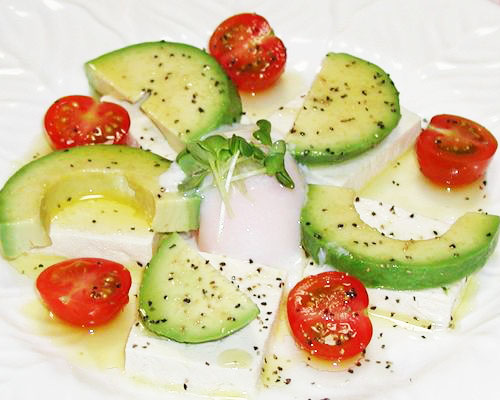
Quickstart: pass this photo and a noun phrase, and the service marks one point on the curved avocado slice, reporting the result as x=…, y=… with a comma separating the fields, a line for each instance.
x=333, y=232
x=189, y=94
x=32, y=196
x=186, y=299
x=351, y=107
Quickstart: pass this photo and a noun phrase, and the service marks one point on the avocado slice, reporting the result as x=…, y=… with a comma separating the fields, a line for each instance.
x=351, y=107
x=186, y=299
x=34, y=194
x=189, y=94
x=333, y=233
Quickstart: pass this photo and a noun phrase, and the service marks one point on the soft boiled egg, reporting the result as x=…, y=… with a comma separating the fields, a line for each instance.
x=263, y=223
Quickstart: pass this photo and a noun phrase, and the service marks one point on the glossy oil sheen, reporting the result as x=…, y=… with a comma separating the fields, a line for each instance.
x=402, y=184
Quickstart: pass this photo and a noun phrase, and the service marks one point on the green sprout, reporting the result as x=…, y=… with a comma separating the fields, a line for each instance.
x=233, y=159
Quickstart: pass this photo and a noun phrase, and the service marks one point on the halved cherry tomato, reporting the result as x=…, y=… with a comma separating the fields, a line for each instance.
x=454, y=151
x=250, y=53
x=80, y=120
x=85, y=291
x=327, y=316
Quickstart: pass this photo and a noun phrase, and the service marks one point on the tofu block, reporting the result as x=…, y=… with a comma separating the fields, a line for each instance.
x=356, y=172
x=143, y=132
x=122, y=248
x=428, y=308
x=101, y=228
x=227, y=367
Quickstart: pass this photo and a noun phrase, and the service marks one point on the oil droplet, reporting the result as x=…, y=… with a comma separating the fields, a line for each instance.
x=101, y=215
x=101, y=346
x=400, y=319
x=234, y=358
x=32, y=264
x=328, y=365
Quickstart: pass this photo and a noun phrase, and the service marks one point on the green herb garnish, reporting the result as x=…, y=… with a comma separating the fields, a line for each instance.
x=233, y=159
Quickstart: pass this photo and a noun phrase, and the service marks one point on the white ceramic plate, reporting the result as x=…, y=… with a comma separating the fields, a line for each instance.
x=444, y=56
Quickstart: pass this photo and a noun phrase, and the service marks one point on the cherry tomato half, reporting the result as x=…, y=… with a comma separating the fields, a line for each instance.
x=85, y=291
x=80, y=120
x=454, y=151
x=250, y=53
x=327, y=316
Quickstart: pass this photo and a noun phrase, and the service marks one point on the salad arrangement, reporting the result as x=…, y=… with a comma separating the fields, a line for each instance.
x=280, y=164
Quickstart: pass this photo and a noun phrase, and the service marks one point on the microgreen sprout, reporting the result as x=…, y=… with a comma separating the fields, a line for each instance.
x=233, y=159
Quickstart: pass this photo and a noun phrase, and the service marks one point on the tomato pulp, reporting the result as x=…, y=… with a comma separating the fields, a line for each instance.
x=80, y=120
x=85, y=291
x=250, y=53
x=327, y=316
x=454, y=151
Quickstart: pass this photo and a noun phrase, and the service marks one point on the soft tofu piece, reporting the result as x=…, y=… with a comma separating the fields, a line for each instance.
x=356, y=172
x=101, y=228
x=143, y=133
x=282, y=119
x=428, y=308
x=172, y=178
x=121, y=247
x=264, y=222
x=227, y=367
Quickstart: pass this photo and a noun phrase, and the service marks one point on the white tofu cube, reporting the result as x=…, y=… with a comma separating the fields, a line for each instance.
x=143, y=132
x=227, y=367
x=356, y=172
x=101, y=228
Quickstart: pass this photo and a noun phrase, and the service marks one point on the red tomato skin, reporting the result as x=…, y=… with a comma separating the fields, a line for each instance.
x=85, y=292
x=335, y=302
x=357, y=322
x=250, y=53
x=454, y=168
x=79, y=120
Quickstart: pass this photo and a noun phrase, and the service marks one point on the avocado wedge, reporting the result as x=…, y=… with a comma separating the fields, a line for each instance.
x=186, y=299
x=351, y=106
x=34, y=194
x=333, y=233
x=185, y=92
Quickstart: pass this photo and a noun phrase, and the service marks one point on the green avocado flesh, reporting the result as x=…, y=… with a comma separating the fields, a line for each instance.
x=351, y=107
x=184, y=298
x=188, y=93
x=34, y=194
x=333, y=233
